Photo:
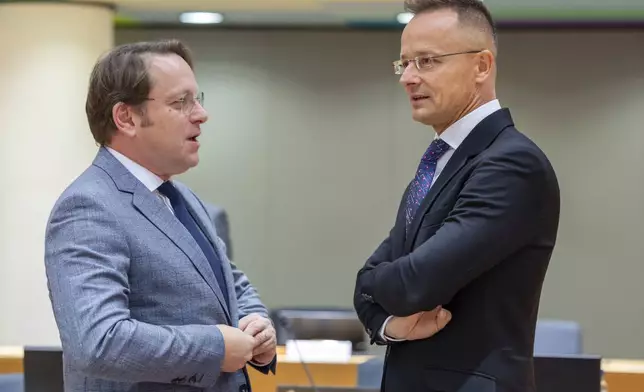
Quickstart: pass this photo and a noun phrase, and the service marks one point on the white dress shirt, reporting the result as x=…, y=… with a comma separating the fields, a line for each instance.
x=454, y=136
x=147, y=178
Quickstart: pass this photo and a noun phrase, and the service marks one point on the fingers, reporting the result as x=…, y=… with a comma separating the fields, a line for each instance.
x=267, y=334
x=261, y=330
x=246, y=320
x=437, y=319
x=443, y=317
x=401, y=327
x=268, y=345
x=257, y=325
x=415, y=319
x=430, y=324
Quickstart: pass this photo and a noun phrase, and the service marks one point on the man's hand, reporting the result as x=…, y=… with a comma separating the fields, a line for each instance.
x=263, y=333
x=239, y=348
x=418, y=326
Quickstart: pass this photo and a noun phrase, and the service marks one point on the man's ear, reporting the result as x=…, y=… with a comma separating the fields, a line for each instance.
x=123, y=116
x=485, y=66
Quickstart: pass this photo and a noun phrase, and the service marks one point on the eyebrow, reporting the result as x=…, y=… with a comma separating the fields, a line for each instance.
x=179, y=94
x=420, y=53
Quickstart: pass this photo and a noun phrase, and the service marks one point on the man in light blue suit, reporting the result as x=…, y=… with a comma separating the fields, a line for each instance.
x=143, y=293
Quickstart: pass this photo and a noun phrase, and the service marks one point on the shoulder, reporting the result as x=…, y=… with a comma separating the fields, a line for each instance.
x=87, y=212
x=515, y=148
x=91, y=189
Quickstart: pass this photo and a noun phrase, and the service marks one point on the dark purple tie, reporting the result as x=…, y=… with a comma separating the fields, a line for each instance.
x=424, y=175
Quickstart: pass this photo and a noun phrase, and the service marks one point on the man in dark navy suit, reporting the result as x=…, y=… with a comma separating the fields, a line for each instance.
x=454, y=289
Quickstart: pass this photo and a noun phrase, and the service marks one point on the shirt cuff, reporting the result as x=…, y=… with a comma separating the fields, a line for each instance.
x=385, y=337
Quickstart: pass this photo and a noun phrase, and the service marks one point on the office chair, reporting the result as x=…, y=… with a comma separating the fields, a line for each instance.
x=11, y=382
x=557, y=337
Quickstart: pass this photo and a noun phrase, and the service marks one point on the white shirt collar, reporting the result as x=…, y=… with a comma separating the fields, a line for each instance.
x=147, y=178
x=457, y=132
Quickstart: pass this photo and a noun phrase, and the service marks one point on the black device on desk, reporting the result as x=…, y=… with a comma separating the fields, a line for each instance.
x=293, y=388
x=565, y=373
x=43, y=369
x=320, y=324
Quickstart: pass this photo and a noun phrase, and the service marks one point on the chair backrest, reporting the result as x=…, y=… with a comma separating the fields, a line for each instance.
x=43, y=369
x=370, y=373
x=219, y=218
x=11, y=382
x=558, y=337
x=565, y=373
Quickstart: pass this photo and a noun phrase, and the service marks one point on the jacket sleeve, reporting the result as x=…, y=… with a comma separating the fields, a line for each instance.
x=498, y=211
x=87, y=260
x=249, y=302
x=371, y=314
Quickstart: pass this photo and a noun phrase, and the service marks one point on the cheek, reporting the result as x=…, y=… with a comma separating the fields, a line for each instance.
x=171, y=130
x=435, y=85
x=450, y=87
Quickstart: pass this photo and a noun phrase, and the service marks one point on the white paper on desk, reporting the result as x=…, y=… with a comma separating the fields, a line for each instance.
x=336, y=351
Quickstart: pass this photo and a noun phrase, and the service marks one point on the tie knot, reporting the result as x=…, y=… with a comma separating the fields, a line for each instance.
x=436, y=149
x=168, y=190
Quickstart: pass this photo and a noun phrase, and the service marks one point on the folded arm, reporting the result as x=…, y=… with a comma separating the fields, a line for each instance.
x=497, y=212
x=87, y=261
x=371, y=314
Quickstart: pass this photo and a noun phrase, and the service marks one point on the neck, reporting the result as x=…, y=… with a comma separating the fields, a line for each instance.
x=130, y=153
x=471, y=106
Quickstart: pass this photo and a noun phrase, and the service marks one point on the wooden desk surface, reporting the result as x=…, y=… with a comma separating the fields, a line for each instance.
x=288, y=372
x=11, y=359
x=622, y=375
x=292, y=373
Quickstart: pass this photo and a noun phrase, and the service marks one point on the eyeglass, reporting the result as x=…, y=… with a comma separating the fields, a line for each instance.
x=186, y=103
x=424, y=61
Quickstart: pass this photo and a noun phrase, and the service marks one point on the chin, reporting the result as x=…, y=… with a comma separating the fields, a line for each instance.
x=422, y=116
x=184, y=165
x=193, y=161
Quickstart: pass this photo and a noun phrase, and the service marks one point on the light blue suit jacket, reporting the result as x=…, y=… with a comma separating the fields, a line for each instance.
x=135, y=300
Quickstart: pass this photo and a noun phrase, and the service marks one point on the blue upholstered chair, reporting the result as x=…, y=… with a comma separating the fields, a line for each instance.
x=370, y=372
x=558, y=337
x=11, y=382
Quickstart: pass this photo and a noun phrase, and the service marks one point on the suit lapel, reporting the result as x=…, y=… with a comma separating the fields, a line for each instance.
x=478, y=140
x=199, y=219
x=156, y=212
x=150, y=206
x=399, y=232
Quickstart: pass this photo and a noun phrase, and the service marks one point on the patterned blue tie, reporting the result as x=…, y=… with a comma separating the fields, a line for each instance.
x=182, y=213
x=424, y=175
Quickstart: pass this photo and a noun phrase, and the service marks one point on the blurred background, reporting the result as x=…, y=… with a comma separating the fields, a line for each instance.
x=310, y=141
